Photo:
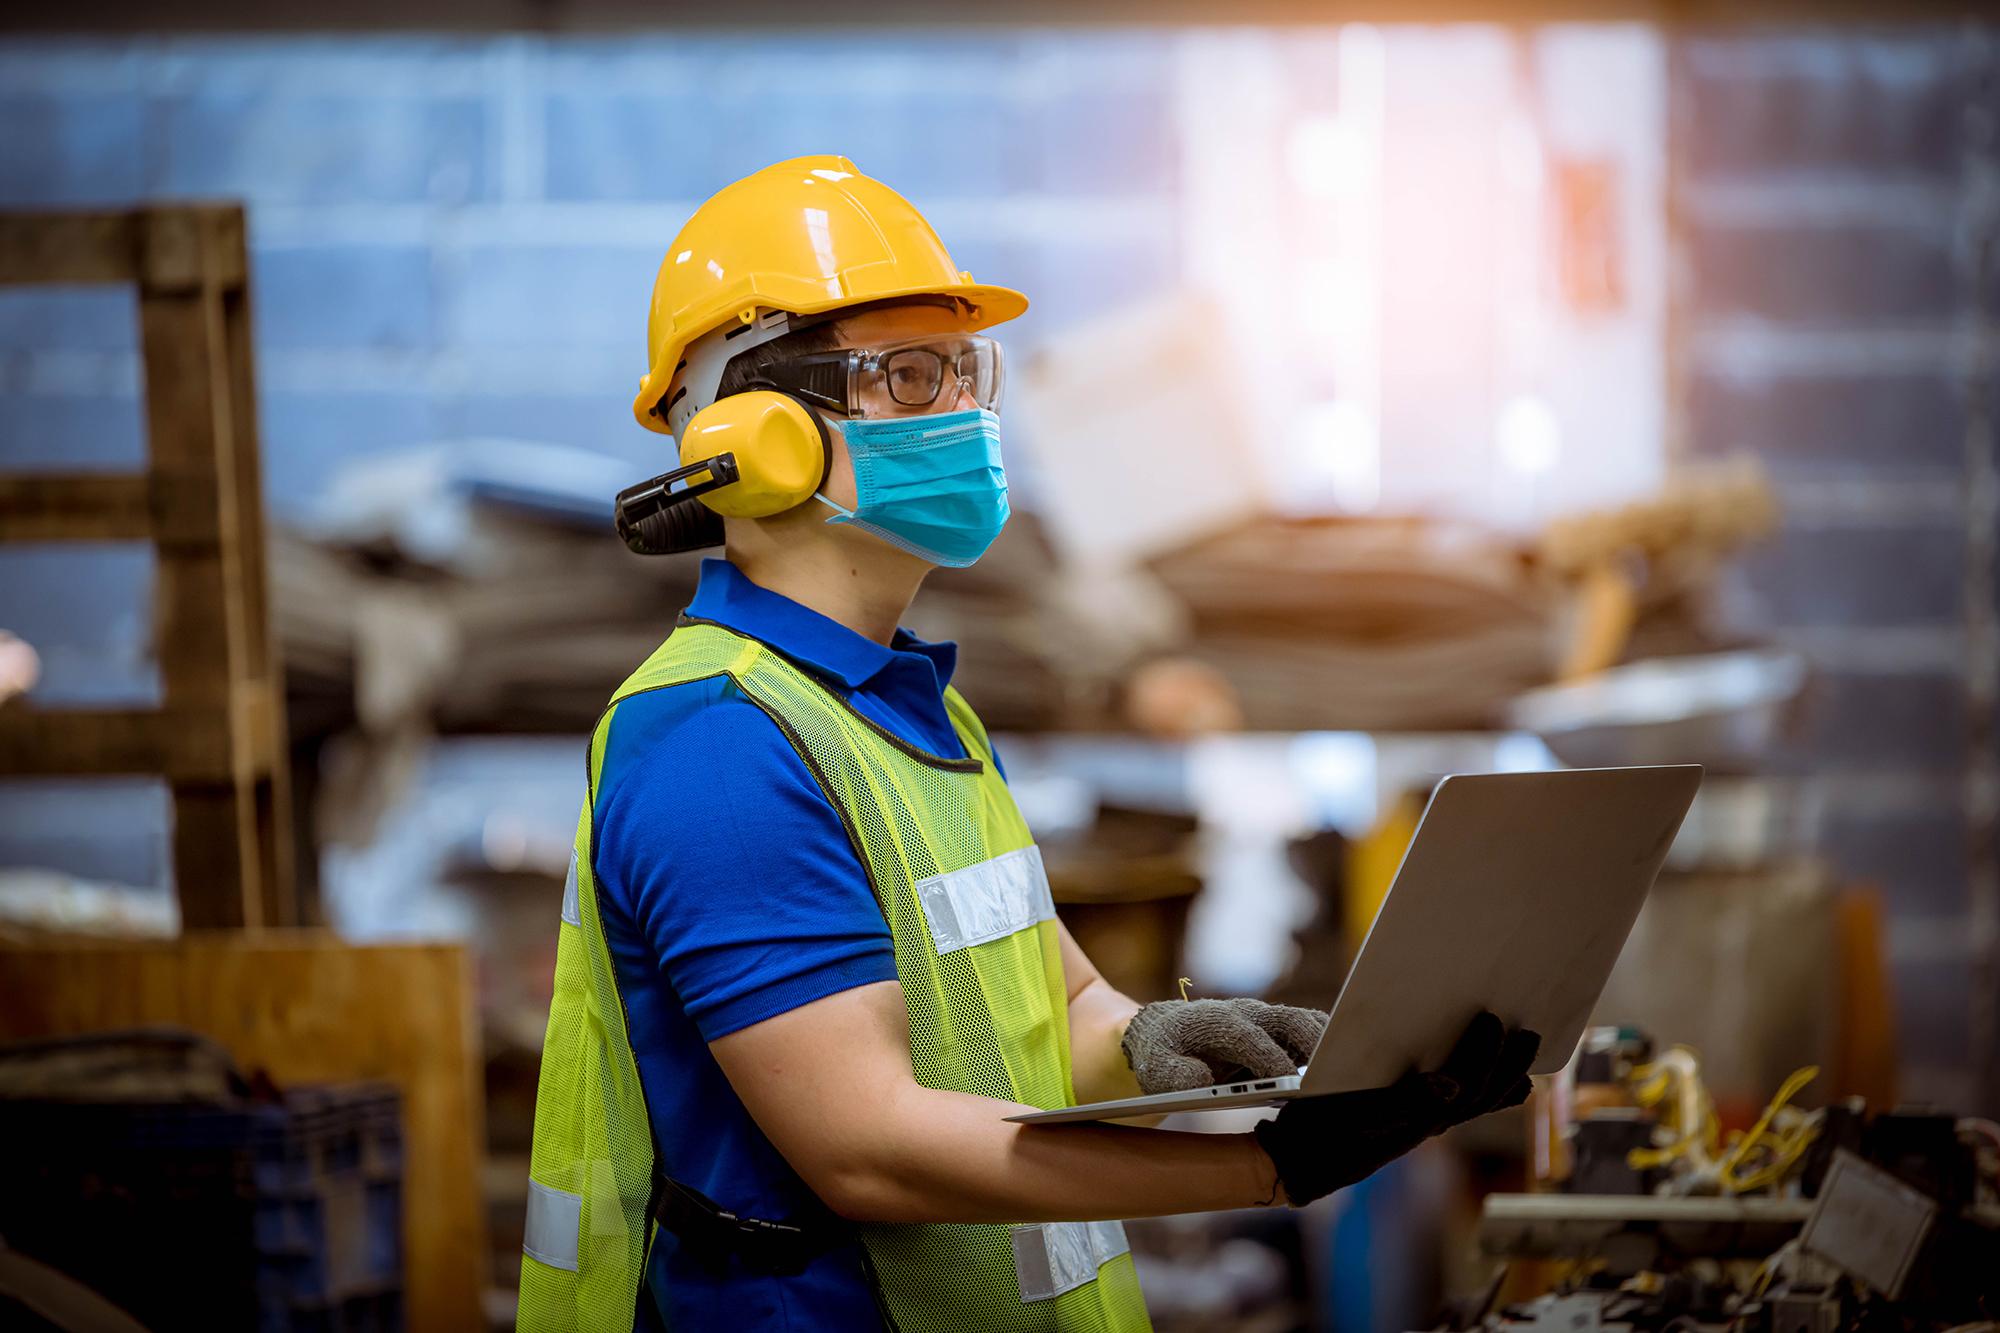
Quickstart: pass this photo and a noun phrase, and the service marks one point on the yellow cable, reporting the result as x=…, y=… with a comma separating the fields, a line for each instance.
x=1687, y=1114
x=1774, y=1171
x=1740, y=1149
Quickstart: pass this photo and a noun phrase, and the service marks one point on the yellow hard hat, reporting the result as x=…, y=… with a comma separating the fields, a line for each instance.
x=804, y=236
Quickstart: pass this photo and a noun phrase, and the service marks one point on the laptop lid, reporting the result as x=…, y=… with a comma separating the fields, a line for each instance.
x=1515, y=895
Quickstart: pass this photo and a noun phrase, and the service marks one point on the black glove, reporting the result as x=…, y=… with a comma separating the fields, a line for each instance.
x=1175, y=1045
x=1321, y=1144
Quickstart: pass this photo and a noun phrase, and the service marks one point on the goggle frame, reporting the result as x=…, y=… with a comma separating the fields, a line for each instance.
x=834, y=379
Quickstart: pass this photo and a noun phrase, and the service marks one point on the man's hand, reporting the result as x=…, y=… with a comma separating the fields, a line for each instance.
x=1321, y=1144
x=1175, y=1045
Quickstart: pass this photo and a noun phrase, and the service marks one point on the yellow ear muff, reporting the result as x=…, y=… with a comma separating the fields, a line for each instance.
x=780, y=446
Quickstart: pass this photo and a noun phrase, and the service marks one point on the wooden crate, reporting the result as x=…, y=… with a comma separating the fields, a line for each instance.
x=219, y=736
x=308, y=1008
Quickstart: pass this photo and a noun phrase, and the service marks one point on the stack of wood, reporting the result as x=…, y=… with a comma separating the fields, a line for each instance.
x=535, y=634
x=532, y=620
x=1412, y=624
x=1639, y=578
x=1335, y=624
x=535, y=642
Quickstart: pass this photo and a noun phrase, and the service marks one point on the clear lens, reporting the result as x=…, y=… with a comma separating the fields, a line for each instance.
x=925, y=375
x=914, y=376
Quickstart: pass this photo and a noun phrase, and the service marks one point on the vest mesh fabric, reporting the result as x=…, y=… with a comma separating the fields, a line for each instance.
x=990, y=1018
x=592, y=1137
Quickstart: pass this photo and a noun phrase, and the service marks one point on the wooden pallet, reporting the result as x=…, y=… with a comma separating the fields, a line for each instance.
x=219, y=735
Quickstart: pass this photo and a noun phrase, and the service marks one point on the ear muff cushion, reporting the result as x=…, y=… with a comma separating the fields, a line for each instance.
x=781, y=447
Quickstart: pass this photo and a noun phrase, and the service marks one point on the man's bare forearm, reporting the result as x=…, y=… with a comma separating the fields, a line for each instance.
x=830, y=1083
x=951, y=1157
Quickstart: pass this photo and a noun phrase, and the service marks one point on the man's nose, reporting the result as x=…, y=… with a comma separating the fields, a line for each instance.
x=964, y=400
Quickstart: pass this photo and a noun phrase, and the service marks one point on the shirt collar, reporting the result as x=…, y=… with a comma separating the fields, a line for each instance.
x=727, y=596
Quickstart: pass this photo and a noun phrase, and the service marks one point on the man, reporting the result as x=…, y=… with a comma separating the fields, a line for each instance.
x=808, y=961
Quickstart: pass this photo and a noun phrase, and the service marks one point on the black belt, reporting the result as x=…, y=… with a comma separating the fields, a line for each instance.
x=711, y=1234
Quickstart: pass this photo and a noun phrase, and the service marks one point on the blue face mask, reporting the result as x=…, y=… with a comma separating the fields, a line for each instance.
x=933, y=485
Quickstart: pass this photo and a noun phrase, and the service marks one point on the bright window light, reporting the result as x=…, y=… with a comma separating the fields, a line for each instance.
x=1325, y=157
x=1528, y=436
x=1343, y=448
x=1444, y=248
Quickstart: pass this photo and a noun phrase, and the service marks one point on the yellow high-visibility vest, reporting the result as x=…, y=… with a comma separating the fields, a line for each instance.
x=961, y=884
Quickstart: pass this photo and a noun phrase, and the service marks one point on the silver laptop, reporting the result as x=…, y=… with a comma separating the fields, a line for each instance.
x=1516, y=895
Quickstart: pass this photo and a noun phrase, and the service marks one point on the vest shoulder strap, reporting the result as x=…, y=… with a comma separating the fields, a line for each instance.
x=694, y=650
x=968, y=724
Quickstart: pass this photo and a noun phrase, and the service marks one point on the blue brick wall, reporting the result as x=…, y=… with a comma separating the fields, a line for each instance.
x=1834, y=185
x=456, y=237
x=301, y=147
x=1845, y=103
x=71, y=148
x=334, y=295
x=1883, y=271
x=1888, y=575
x=1830, y=421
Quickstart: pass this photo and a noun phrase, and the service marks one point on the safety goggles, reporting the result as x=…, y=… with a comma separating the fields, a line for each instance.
x=901, y=379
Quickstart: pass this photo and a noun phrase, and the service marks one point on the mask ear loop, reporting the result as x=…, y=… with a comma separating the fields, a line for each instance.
x=825, y=440
x=820, y=495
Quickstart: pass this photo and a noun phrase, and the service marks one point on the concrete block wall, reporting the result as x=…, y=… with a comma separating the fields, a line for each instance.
x=1834, y=189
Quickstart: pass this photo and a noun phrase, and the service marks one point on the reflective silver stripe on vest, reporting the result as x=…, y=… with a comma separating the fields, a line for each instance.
x=572, y=912
x=988, y=901
x=553, y=1219
x=1051, y=1258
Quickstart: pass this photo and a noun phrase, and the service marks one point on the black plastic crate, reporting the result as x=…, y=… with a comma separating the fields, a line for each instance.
x=277, y=1216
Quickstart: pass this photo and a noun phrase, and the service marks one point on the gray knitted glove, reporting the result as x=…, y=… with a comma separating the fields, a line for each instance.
x=1175, y=1045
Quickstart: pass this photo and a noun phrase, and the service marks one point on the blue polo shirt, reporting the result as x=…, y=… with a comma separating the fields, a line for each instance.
x=730, y=893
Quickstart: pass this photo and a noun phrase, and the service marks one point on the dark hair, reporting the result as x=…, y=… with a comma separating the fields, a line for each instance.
x=746, y=368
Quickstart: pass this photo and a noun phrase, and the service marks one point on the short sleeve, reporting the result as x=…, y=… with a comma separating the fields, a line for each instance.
x=716, y=849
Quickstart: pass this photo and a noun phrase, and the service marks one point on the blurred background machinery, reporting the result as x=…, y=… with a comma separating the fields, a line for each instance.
x=1651, y=1216
x=1477, y=390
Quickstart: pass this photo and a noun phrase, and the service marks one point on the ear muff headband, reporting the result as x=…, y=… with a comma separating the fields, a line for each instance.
x=749, y=455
